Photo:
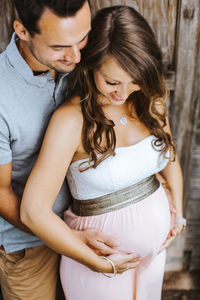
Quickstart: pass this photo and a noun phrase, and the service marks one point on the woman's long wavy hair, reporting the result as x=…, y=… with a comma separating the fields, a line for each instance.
x=121, y=32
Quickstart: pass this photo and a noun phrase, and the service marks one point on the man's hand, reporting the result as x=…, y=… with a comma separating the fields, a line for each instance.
x=99, y=242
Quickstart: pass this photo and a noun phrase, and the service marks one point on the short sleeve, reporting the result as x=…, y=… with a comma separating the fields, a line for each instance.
x=5, y=137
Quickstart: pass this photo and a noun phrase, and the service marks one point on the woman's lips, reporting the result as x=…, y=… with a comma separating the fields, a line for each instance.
x=116, y=98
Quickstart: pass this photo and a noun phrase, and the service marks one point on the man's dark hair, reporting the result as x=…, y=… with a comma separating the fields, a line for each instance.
x=30, y=11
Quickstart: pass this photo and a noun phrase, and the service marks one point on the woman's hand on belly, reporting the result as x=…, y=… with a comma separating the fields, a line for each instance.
x=177, y=229
x=124, y=262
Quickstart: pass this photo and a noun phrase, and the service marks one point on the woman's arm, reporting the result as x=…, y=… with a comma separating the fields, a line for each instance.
x=61, y=141
x=172, y=175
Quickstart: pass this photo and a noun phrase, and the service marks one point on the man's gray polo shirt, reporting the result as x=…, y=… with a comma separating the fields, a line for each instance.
x=26, y=105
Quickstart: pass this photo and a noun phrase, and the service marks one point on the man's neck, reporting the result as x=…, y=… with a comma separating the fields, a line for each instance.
x=33, y=63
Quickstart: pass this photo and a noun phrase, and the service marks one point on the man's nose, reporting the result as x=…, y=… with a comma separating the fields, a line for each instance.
x=74, y=55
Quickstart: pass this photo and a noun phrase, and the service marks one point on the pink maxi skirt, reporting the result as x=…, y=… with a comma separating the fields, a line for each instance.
x=142, y=228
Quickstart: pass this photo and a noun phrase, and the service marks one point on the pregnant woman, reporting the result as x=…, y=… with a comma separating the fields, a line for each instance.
x=110, y=138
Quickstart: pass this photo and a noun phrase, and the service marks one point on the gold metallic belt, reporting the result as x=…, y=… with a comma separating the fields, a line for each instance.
x=116, y=200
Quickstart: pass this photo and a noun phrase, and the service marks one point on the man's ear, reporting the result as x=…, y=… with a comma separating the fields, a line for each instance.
x=21, y=31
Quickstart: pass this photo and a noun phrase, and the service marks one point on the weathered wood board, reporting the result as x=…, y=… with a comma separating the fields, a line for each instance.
x=7, y=15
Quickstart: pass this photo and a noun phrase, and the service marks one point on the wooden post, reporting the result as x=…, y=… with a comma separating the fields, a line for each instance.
x=7, y=15
x=184, y=103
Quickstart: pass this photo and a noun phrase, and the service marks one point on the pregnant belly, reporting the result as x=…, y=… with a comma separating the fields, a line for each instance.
x=141, y=227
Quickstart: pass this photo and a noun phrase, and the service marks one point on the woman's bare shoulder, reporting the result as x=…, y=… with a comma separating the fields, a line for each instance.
x=69, y=113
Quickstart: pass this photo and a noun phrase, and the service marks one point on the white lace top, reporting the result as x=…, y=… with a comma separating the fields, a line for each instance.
x=130, y=165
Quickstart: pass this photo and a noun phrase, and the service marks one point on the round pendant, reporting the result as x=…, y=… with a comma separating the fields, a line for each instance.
x=123, y=120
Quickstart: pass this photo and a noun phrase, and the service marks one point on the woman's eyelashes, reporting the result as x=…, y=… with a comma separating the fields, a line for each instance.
x=117, y=83
x=111, y=83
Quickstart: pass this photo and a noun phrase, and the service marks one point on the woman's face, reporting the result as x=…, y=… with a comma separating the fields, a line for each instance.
x=114, y=83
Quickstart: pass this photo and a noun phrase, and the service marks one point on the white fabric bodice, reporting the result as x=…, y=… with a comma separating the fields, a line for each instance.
x=130, y=165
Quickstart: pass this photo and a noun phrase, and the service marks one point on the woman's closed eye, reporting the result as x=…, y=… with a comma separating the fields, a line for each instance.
x=117, y=83
x=112, y=83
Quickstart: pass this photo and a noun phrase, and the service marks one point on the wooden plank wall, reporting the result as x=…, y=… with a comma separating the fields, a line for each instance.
x=192, y=243
x=161, y=15
x=185, y=123
x=191, y=136
x=7, y=15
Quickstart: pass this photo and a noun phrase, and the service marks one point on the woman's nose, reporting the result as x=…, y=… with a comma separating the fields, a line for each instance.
x=123, y=93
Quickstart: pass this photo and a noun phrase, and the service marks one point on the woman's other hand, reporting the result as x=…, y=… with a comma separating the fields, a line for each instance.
x=124, y=262
x=177, y=229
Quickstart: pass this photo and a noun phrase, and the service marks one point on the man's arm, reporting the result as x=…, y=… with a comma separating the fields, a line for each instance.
x=9, y=200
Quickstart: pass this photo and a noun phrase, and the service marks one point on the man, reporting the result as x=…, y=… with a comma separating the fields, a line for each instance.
x=49, y=35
